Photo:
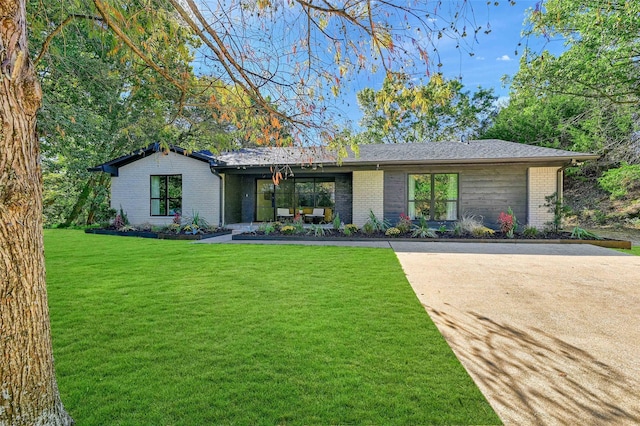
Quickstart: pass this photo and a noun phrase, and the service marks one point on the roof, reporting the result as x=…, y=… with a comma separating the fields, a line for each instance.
x=470, y=152
x=476, y=151
x=480, y=151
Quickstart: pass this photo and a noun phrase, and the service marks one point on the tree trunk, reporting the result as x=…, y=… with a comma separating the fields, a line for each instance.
x=28, y=390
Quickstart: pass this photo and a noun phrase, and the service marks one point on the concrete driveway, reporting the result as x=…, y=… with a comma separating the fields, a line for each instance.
x=550, y=333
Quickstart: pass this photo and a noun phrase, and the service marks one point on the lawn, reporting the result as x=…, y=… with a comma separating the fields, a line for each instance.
x=156, y=332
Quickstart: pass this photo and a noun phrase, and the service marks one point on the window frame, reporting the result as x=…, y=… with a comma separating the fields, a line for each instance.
x=166, y=199
x=433, y=200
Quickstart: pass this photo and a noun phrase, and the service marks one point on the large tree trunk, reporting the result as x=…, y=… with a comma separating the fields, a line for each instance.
x=28, y=390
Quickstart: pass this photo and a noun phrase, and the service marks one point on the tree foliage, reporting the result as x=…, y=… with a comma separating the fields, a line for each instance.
x=603, y=50
x=286, y=59
x=586, y=98
x=405, y=112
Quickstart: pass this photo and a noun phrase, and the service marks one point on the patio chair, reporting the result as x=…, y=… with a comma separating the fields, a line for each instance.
x=283, y=213
x=316, y=214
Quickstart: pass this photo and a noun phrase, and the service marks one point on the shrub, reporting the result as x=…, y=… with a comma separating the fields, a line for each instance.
x=368, y=228
x=288, y=230
x=404, y=223
x=316, y=230
x=392, y=232
x=298, y=224
x=468, y=224
x=350, y=229
x=172, y=227
x=422, y=230
x=191, y=228
x=507, y=222
x=123, y=216
x=195, y=220
x=374, y=224
x=118, y=222
x=559, y=211
x=583, y=234
x=530, y=231
x=482, y=231
x=337, y=224
x=267, y=228
x=619, y=181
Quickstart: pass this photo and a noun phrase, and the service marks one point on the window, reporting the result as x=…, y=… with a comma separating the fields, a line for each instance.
x=314, y=192
x=433, y=196
x=166, y=195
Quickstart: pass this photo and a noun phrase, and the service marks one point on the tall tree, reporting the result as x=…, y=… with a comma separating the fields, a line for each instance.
x=28, y=389
x=402, y=112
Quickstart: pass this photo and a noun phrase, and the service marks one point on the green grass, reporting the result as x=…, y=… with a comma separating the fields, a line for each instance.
x=155, y=332
x=634, y=250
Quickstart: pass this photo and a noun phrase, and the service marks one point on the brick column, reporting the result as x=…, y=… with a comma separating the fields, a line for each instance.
x=542, y=182
x=368, y=195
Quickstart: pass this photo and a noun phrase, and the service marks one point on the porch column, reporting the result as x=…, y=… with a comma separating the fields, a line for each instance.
x=368, y=195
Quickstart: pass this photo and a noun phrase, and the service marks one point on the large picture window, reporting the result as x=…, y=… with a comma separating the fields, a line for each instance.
x=166, y=195
x=293, y=194
x=433, y=196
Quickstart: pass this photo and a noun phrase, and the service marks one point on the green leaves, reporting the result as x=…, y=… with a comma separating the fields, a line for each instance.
x=405, y=112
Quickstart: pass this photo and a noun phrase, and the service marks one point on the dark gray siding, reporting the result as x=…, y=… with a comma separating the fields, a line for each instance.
x=482, y=191
x=232, y=200
x=344, y=197
x=487, y=192
x=395, y=195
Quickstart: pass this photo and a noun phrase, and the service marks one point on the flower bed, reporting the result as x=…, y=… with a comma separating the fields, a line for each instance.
x=161, y=235
x=468, y=229
x=331, y=235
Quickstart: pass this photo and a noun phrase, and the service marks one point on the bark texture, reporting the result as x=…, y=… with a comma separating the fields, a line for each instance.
x=28, y=390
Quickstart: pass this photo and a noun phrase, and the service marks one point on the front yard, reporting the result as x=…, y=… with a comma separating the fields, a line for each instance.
x=152, y=332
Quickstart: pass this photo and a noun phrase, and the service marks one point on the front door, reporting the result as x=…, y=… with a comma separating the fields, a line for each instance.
x=265, y=202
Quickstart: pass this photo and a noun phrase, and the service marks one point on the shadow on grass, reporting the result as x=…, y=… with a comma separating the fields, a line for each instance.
x=532, y=377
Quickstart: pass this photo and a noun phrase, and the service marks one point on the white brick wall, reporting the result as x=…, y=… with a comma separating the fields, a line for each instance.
x=368, y=195
x=132, y=188
x=543, y=182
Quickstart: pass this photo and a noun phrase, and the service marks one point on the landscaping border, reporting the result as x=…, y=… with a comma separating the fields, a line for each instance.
x=616, y=244
x=158, y=235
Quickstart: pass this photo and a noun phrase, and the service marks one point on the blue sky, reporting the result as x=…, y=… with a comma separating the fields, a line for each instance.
x=494, y=54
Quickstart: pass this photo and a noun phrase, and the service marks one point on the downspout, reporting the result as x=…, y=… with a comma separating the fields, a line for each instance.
x=560, y=180
x=222, y=206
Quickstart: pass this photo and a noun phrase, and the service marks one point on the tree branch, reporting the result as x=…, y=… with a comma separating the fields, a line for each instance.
x=58, y=29
x=126, y=40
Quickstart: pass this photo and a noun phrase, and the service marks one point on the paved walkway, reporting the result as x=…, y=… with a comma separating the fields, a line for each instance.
x=550, y=333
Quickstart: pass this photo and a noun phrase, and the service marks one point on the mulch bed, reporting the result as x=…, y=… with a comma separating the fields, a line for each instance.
x=159, y=235
x=498, y=237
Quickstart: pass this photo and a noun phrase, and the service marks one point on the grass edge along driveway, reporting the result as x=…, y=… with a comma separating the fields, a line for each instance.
x=153, y=332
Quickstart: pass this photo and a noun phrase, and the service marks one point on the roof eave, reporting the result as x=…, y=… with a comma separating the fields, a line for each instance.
x=471, y=161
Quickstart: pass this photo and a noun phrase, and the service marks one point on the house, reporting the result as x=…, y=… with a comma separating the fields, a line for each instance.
x=439, y=181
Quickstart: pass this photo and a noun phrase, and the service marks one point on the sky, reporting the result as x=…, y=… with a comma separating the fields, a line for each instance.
x=494, y=54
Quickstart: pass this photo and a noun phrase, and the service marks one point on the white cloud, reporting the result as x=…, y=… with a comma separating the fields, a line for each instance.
x=504, y=58
x=480, y=58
